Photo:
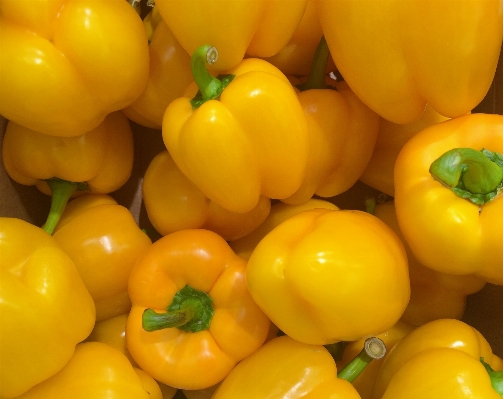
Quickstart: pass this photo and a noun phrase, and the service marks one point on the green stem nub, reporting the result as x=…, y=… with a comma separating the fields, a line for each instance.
x=374, y=348
x=337, y=349
x=316, y=78
x=210, y=87
x=471, y=174
x=61, y=191
x=495, y=376
x=190, y=310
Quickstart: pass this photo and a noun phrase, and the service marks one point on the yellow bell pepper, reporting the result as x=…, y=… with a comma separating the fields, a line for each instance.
x=434, y=295
x=45, y=308
x=442, y=357
x=390, y=139
x=279, y=213
x=397, y=56
x=259, y=28
x=192, y=318
x=169, y=76
x=324, y=276
x=286, y=368
x=104, y=241
x=66, y=64
x=446, y=196
x=96, y=370
x=174, y=203
x=100, y=161
x=242, y=136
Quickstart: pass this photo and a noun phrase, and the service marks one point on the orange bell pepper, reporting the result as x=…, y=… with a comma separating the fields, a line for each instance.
x=396, y=66
x=104, y=241
x=99, y=161
x=242, y=136
x=45, y=308
x=193, y=318
x=447, y=196
x=174, y=203
x=324, y=276
x=66, y=64
x=259, y=28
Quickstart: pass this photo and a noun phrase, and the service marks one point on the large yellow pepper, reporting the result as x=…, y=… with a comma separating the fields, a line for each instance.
x=324, y=276
x=442, y=357
x=66, y=64
x=446, y=196
x=434, y=295
x=174, y=203
x=96, y=370
x=45, y=308
x=104, y=241
x=99, y=161
x=286, y=368
x=397, y=56
x=259, y=28
x=193, y=318
x=242, y=137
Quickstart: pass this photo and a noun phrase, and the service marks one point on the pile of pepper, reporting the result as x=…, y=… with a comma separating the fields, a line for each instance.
x=247, y=274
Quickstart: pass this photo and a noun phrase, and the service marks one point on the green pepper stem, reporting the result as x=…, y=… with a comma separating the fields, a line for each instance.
x=495, y=376
x=337, y=349
x=316, y=78
x=190, y=310
x=471, y=174
x=61, y=191
x=374, y=348
x=209, y=86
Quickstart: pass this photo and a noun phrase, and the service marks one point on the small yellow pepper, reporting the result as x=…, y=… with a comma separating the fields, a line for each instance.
x=174, y=203
x=45, y=308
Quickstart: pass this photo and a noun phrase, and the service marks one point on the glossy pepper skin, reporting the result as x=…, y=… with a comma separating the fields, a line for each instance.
x=418, y=351
x=96, y=370
x=169, y=75
x=445, y=232
x=434, y=295
x=259, y=28
x=104, y=241
x=324, y=276
x=206, y=352
x=66, y=64
x=390, y=139
x=450, y=65
x=175, y=203
x=249, y=141
x=45, y=307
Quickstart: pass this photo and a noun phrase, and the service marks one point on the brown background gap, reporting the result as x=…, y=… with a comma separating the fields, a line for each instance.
x=484, y=309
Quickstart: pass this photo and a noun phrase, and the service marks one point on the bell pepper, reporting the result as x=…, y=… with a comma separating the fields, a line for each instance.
x=398, y=56
x=169, y=76
x=447, y=206
x=364, y=384
x=96, y=370
x=99, y=161
x=242, y=136
x=279, y=213
x=66, y=64
x=433, y=295
x=324, y=276
x=174, y=203
x=428, y=355
x=259, y=28
x=286, y=368
x=193, y=318
x=390, y=139
x=342, y=133
x=45, y=307
x=104, y=241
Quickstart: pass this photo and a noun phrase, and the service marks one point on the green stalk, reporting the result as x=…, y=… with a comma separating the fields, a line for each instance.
x=190, y=310
x=316, y=78
x=61, y=191
x=471, y=174
x=495, y=376
x=374, y=348
x=337, y=349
